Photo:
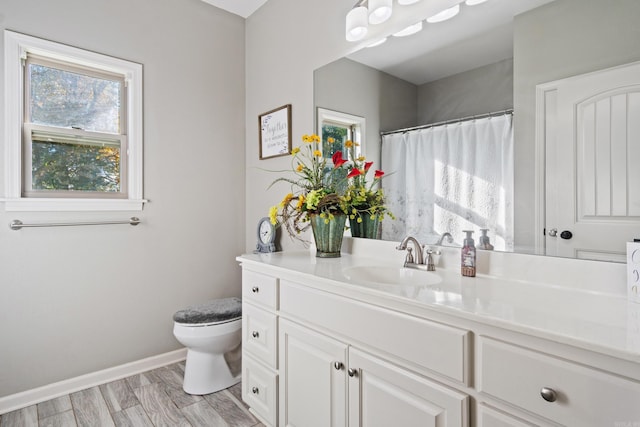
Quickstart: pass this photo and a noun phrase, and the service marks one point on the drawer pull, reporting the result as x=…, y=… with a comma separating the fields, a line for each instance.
x=255, y=390
x=352, y=372
x=255, y=289
x=255, y=334
x=548, y=394
x=338, y=366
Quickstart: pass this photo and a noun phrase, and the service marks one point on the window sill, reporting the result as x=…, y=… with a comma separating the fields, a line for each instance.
x=66, y=205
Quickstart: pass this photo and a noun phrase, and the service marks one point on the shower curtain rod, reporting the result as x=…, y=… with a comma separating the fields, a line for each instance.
x=446, y=122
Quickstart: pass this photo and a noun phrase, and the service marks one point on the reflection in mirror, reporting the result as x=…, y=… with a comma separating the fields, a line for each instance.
x=475, y=64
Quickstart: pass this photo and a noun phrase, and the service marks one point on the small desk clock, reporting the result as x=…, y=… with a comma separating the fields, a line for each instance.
x=266, y=236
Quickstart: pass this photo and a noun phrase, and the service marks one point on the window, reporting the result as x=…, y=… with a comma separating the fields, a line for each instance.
x=73, y=138
x=341, y=127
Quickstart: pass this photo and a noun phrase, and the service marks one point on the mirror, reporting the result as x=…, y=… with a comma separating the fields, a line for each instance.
x=490, y=58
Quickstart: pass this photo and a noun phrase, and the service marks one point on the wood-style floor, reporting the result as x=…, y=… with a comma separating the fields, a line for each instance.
x=151, y=399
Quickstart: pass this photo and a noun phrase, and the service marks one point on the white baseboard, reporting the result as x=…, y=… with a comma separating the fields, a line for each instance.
x=71, y=385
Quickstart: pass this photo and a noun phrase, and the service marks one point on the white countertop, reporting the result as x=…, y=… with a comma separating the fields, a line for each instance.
x=597, y=321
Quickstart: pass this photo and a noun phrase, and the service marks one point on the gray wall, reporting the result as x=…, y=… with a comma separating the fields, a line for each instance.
x=385, y=101
x=479, y=91
x=74, y=300
x=558, y=40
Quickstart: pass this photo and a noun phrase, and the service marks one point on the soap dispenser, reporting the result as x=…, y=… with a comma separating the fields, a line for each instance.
x=485, y=243
x=468, y=255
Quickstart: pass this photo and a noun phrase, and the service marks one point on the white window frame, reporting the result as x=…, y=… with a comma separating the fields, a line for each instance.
x=16, y=48
x=356, y=123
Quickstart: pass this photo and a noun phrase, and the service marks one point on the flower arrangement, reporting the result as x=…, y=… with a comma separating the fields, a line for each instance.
x=365, y=201
x=328, y=188
x=315, y=188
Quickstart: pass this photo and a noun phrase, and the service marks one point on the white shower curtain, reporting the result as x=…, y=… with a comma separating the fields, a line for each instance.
x=450, y=178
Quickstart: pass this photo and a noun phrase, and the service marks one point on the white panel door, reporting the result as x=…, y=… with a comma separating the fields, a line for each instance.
x=382, y=395
x=591, y=131
x=312, y=378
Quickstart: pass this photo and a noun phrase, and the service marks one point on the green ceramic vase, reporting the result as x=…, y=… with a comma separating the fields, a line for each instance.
x=367, y=228
x=328, y=235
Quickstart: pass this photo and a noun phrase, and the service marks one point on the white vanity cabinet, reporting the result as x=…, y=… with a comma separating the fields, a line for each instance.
x=321, y=352
x=259, y=345
x=318, y=373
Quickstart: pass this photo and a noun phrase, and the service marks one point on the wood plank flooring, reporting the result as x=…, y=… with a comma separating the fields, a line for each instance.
x=151, y=399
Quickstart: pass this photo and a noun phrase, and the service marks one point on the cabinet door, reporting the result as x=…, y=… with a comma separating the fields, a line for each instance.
x=313, y=378
x=382, y=394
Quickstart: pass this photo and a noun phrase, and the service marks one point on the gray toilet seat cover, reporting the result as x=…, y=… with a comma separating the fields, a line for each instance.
x=217, y=310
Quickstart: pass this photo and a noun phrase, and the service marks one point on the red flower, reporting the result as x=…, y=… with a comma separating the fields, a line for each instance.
x=367, y=165
x=354, y=172
x=337, y=159
x=378, y=174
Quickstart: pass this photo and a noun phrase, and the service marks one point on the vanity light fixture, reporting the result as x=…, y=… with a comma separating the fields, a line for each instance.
x=380, y=11
x=405, y=2
x=357, y=22
x=378, y=43
x=474, y=2
x=411, y=29
x=444, y=15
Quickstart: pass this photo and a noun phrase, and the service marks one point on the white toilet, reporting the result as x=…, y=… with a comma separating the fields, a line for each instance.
x=212, y=333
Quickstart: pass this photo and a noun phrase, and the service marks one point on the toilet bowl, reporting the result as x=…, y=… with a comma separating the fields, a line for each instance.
x=212, y=333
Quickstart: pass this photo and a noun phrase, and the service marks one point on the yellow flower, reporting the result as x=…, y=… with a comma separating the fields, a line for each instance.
x=315, y=138
x=361, y=159
x=273, y=211
x=307, y=139
x=286, y=200
x=295, y=151
x=300, y=167
x=331, y=140
x=317, y=153
x=348, y=144
x=301, y=201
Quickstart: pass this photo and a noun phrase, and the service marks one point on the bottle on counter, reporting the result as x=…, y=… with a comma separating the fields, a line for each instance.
x=484, y=242
x=468, y=261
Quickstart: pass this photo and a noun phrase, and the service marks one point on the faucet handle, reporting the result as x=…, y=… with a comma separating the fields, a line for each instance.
x=431, y=251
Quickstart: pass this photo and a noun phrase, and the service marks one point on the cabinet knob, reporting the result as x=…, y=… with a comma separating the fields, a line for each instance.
x=352, y=372
x=255, y=289
x=255, y=390
x=255, y=334
x=338, y=366
x=548, y=394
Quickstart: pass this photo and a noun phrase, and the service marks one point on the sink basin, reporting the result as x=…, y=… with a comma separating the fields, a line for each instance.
x=392, y=275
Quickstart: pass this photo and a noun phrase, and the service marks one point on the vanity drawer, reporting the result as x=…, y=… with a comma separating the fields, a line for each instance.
x=583, y=396
x=259, y=334
x=260, y=390
x=259, y=289
x=434, y=346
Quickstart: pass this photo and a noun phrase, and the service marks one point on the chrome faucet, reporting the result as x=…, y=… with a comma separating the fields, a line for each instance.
x=420, y=262
x=417, y=246
x=447, y=235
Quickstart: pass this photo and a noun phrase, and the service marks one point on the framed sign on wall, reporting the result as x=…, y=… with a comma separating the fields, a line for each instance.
x=275, y=132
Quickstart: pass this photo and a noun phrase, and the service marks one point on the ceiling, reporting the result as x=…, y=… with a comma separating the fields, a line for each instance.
x=243, y=8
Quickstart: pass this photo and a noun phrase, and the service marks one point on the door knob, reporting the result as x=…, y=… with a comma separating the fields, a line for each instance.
x=566, y=234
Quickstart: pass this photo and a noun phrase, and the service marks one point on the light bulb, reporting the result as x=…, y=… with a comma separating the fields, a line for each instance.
x=444, y=15
x=380, y=11
x=406, y=2
x=411, y=29
x=378, y=43
x=356, y=23
x=474, y=2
